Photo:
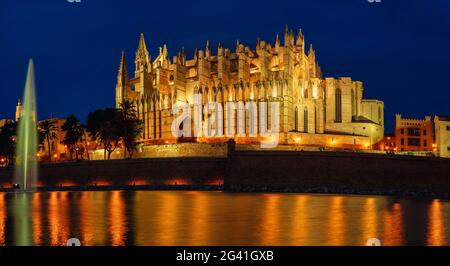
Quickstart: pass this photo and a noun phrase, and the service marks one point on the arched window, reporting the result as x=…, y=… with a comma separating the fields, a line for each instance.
x=296, y=119
x=338, y=105
x=305, y=93
x=353, y=104
x=305, y=119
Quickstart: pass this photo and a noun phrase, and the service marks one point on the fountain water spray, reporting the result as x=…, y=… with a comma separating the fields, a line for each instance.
x=26, y=143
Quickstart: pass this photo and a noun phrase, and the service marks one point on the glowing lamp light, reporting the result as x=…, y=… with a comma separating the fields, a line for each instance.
x=56, y=156
x=3, y=160
x=167, y=142
x=118, y=152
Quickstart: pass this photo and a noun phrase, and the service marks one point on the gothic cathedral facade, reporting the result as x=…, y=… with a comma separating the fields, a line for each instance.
x=315, y=111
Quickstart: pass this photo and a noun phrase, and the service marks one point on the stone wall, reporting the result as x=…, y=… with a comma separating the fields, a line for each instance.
x=338, y=172
x=139, y=172
x=171, y=150
x=258, y=170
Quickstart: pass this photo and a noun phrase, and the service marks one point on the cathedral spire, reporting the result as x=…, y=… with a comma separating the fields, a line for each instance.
x=18, y=110
x=142, y=46
x=311, y=50
x=165, y=51
x=142, y=57
x=183, y=56
x=300, y=38
x=196, y=54
x=312, y=56
x=122, y=76
x=277, y=41
x=207, y=49
x=286, y=36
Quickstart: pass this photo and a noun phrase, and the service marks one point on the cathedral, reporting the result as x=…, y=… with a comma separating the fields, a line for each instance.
x=314, y=110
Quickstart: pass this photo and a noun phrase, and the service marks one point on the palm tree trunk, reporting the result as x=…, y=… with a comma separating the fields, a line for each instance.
x=49, y=151
x=86, y=146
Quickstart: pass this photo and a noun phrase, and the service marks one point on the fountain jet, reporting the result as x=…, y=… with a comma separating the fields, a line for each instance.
x=26, y=143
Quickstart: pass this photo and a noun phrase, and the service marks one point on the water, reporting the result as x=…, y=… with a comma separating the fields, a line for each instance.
x=26, y=150
x=217, y=218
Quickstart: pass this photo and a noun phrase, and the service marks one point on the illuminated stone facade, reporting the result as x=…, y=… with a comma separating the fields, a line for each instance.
x=314, y=110
x=413, y=134
x=442, y=130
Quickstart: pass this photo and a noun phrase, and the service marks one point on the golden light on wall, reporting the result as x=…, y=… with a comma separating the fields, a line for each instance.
x=333, y=142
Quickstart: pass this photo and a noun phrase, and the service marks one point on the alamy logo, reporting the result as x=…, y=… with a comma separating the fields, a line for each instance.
x=74, y=1
x=373, y=242
x=73, y=242
x=215, y=120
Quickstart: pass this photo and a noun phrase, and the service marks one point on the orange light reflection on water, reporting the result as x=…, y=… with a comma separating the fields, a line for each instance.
x=37, y=219
x=300, y=221
x=436, y=224
x=2, y=219
x=200, y=227
x=118, y=223
x=370, y=220
x=58, y=217
x=270, y=227
x=336, y=226
x=393, y=226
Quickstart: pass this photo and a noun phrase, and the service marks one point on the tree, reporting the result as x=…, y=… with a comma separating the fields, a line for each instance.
x=48, y=131
x=85, y=140
x=104, y=125
x=130, y=127
x=7, y=141
x=73, y=135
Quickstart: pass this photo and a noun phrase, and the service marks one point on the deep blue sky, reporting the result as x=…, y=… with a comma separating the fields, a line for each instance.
x=399, y=49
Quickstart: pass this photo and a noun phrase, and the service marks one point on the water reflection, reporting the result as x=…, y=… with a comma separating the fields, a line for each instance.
x=117, y=218
x=2, y=219
x=218, y=218
x=436, y=225
x=336, y=222
x=37, y=219
x=393, y=225
x=21, y=219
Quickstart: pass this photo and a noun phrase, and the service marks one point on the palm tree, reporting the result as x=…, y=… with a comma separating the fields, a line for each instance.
x=48, y=130
x=74, y=134
x=7, y=141
x=85, y=140
x=131, y=127
x=104, y=125
x=128, y=109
